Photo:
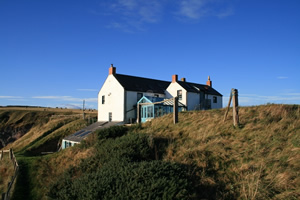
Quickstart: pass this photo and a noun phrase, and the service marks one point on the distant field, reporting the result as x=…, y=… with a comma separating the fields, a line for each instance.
x=31, y=108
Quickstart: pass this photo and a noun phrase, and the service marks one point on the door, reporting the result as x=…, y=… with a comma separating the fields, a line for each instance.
x=144, y=114
x=109, y=116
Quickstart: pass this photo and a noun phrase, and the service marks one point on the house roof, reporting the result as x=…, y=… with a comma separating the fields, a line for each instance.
x=80, y=135
x=196, y=88
x=149, y=99
x=140, y=84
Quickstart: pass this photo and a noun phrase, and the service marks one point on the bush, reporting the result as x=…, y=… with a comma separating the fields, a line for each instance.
x=132, y=147
x=124, y=168
x=111, y=132
x=119, y=180
x=129, y=148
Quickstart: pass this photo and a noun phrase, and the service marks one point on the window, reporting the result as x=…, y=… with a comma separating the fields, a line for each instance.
x=179, y=94
x=150, y=111
x=139, y=96
x=110, y=116
x=103, y=99
x=215, y=99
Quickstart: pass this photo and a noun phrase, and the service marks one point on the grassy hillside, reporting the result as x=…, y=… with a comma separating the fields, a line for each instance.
x=201, y=157
x=258, y=160
x=31, y=131
x=6, y=171
x=26, y=126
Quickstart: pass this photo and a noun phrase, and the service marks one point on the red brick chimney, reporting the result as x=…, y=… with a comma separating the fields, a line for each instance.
x=174, y=78
x=209, y=82
x=112, y=70
x=182, y=79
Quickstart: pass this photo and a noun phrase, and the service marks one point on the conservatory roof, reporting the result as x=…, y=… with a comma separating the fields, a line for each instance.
x=147, y=100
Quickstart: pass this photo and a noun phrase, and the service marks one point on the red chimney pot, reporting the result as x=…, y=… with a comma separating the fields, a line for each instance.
x=112, y=70
x=174, y=78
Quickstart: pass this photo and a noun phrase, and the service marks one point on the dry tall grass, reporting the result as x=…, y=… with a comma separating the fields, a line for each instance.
x=6, y=172
x=49, y=168
x=258, y=160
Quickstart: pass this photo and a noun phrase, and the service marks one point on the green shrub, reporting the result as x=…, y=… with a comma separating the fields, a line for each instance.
x=111, y=132
x=133, y=147
x=121, y=180
x=129, y=148
x=124, y=168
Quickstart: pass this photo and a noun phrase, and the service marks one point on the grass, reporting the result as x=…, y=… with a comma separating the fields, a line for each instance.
x=257, y=160
x=39, y=172
x=6, y=172
x=35, y=132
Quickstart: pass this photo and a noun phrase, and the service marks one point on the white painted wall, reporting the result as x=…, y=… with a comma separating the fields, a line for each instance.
x=172, y=92
x=219, y=103
x=193, y=100
x=131, y=101
x=190, y=99
x=67, y=143
x=114, y=100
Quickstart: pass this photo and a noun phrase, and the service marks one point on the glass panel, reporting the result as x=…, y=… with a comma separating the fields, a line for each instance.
x=150, y=111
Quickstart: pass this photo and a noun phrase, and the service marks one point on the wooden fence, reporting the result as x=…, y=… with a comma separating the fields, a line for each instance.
x=6, y=196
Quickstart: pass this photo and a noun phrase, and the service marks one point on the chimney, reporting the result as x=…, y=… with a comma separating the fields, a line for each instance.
x=182, y=79
x=174, y=78
x=112, y=70
x=209, y=82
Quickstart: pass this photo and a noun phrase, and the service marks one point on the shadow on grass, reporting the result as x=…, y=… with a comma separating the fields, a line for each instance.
x=22, y=186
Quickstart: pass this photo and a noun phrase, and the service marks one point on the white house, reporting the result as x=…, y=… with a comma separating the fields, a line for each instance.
x=118, y=97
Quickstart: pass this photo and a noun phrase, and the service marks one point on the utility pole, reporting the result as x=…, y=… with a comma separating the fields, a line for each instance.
x=83, y=115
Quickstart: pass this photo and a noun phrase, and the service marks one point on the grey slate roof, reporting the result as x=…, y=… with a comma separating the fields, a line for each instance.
x=140, y=84
x=80, y=135
x=196, y=88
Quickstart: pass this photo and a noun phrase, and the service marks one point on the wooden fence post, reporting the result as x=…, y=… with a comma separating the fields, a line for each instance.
x=1, y=155
x=175, y=110
x=235, y=107
x=138, y=120
x=10, y=154
x=228, y=106
x=235, y=104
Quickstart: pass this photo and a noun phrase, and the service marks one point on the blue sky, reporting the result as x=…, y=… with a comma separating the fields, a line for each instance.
x=57, y=52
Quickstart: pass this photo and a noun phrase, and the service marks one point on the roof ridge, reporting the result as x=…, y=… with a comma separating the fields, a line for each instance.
x=192, y=83
x=143, y=77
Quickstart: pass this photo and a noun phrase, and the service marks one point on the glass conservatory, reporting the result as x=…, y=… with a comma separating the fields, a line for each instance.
x=152, y=107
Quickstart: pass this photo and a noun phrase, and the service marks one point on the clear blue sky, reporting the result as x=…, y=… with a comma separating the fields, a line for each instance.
x=57, y=52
